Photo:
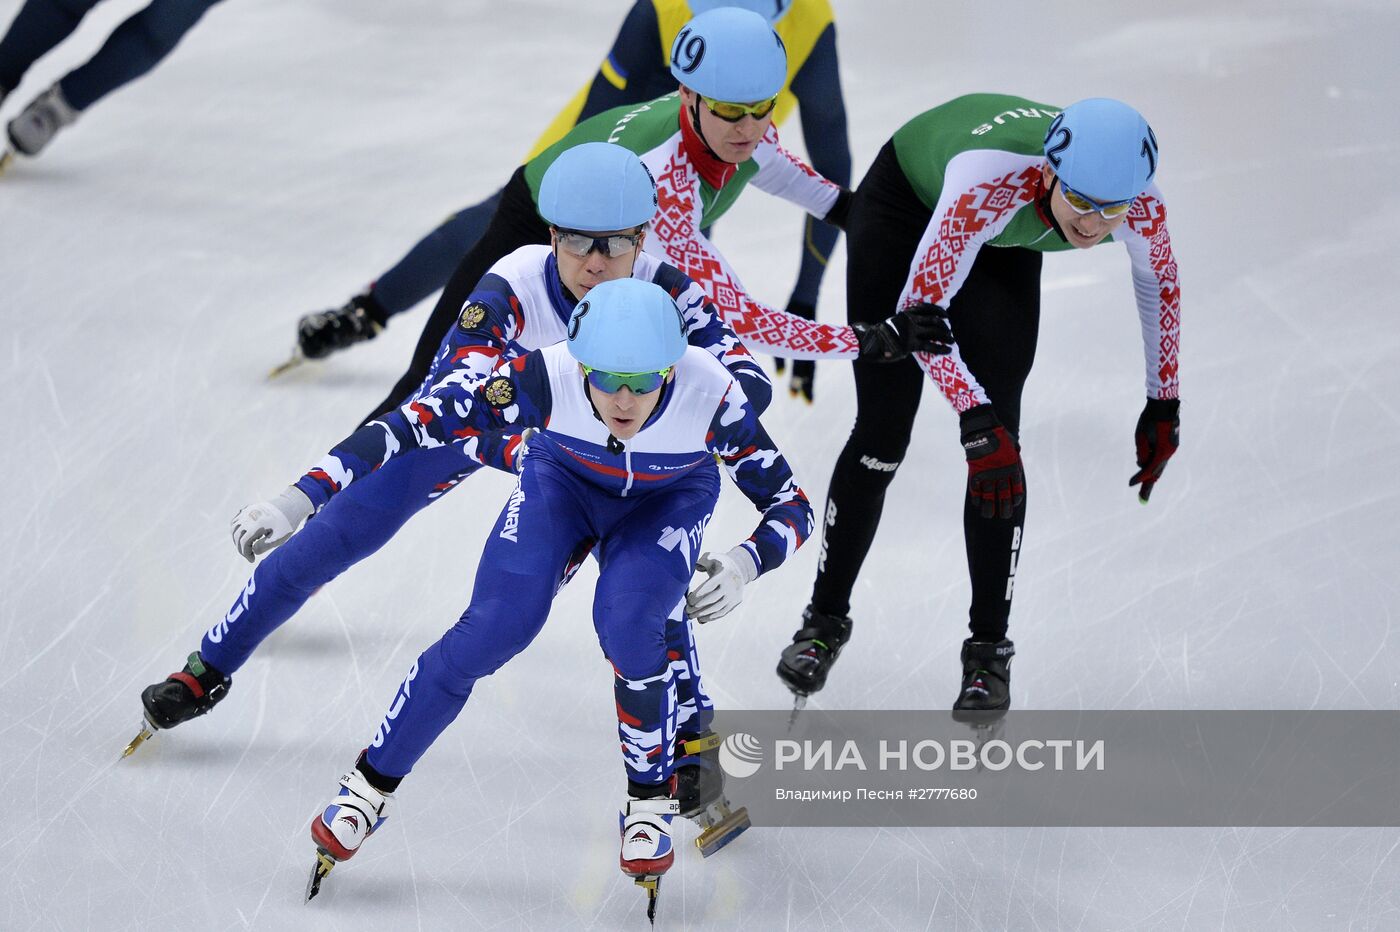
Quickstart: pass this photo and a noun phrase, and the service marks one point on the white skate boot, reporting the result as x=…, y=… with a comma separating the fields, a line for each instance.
x=646, y=843
x=355, y=813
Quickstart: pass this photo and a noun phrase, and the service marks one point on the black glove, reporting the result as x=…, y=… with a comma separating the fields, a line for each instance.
x=840, y=211
x=922, y=328
x=995, y=480
x=1157, y=438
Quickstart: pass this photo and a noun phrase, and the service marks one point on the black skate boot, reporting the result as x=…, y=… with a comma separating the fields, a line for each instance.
x=986, y=685
x=183, y=695
x=807, y=661
x=39, y=122
x=324, y=332
x=700, y=789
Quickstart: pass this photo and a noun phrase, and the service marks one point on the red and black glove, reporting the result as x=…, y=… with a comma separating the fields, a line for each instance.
x=1157, y=437
x=995, y=480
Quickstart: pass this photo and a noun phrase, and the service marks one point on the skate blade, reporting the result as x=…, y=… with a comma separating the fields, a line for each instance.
x=651, y=883
x=724, y=831
x=319, y=871
x=6, y=160
x=146, y=732
x=295, y=360
x=799, y=702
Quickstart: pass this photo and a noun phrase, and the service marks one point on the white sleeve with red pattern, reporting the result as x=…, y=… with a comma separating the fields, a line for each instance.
x=676, y=238
x=982, y=190
x=784, y=175
x=1158, y=291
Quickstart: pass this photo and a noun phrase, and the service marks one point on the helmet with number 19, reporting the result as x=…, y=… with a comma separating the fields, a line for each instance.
x=730, y=54
x=1102, y=148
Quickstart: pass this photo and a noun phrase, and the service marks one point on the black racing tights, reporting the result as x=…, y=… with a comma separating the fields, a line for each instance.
x=515, y=223
x=995, y=317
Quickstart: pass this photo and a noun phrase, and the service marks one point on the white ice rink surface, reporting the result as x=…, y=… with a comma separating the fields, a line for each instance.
x=155, y=259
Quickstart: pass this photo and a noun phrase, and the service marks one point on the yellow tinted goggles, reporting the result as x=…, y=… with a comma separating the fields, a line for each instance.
x=733, y=113
x=1086, y=205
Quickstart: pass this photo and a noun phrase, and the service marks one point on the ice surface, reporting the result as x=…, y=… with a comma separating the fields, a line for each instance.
x=156, y=257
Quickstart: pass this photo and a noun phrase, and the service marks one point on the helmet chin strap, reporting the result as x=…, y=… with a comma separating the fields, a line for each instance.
x=700, y=130
x=1050, y=214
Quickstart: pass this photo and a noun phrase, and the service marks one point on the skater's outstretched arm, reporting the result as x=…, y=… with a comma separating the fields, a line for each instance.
x=759, y=470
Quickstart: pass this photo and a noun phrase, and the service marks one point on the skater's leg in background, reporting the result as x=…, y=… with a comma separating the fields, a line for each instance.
x=430, y=263
x=883, y=236
x=516, y=223
x=515, y=582
x=353, y=525
x=37, y=28
x=996, y=317
x=134, y=48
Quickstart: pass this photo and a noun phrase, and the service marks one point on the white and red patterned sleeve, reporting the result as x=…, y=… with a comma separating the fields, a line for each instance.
x=1158, y=291
x=676, y=238
x=784, y=175
x=982, y=190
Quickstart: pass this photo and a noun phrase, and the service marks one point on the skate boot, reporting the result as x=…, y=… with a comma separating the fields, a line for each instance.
x=324, y=332
x=646, y=839
x=807, y=661
x=39, y=122
x=359, y=319
x=183, y=695
x=356, y=813
x=986, y=684
x=804, y=376
x=700, y=790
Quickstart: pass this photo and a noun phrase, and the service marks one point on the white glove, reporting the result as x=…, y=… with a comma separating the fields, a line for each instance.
x=525, y=437
x=258, y=528
x=722, y=591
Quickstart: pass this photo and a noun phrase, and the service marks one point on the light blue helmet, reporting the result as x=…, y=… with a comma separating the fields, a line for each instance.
x=772, y=10
x=730, y=54
x=627, y=325
x=595, y=187
x=1103, y=149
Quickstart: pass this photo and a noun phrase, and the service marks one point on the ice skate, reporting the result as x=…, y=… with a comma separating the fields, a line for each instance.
x=700, y=791
x=183, y=695
x=353, y=815
x=804, y=375
x=807, y=661
x=646, y=844
x=39, y=122
x=986, y=686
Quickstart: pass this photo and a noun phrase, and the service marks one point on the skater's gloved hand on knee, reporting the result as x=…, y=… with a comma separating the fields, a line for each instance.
x=723, y=588
x=525, y=437
x=995, y=480
x=922, y=328
x=260, y=527
x=1157, y=438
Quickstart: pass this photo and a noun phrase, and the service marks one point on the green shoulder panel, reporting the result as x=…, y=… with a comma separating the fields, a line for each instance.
x=639, y=127
x=643, y=128
x=926, y=144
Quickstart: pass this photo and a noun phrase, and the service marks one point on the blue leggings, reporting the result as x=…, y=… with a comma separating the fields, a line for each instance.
x=636, y=611
x=133, y=48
